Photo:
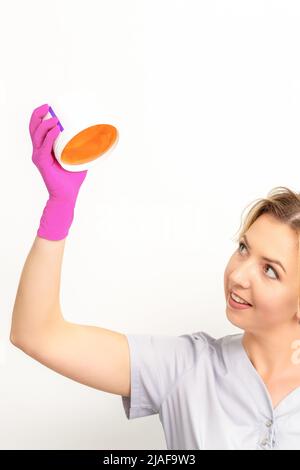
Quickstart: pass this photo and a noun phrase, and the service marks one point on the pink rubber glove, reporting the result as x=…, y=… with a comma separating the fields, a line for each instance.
x=63, y=186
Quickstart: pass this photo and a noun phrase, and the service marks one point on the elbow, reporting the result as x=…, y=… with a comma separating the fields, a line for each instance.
x=14, y=339
x=26, y=339
x=20, y=344
x=18, y=334
x=13, y=336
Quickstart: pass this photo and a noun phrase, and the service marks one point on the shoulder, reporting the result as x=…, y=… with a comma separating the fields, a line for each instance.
x=214, y=350
x=207, y=341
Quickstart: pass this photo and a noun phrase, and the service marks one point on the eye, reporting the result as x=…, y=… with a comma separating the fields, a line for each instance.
x=241, y=244
x=269, y=267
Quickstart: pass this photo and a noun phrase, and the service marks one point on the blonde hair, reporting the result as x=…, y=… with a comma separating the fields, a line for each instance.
x=284, y=205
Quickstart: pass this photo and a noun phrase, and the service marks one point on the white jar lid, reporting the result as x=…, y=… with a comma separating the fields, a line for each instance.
x=76, y=114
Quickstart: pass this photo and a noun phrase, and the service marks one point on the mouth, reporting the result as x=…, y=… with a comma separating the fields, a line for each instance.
x=237, y=300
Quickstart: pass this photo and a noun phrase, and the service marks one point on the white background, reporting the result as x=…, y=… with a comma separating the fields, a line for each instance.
x=208, y=97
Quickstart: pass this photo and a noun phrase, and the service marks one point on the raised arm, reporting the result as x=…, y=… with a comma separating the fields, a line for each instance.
x=37, y=305
x=94, y=356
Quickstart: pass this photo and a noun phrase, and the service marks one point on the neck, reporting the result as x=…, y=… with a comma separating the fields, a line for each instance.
x=272, y=354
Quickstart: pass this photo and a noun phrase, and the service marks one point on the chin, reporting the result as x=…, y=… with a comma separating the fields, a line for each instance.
x=236, y=319
x=240, y=323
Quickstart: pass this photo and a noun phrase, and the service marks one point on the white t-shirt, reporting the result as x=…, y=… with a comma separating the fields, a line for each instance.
x=208, y=394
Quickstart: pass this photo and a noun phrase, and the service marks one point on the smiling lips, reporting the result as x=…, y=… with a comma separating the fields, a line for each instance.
x=240, y=297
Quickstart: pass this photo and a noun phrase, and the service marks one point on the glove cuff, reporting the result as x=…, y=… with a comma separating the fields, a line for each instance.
x=56, y=220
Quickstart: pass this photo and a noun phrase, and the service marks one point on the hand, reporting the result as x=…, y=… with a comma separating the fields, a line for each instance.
x=62, y=185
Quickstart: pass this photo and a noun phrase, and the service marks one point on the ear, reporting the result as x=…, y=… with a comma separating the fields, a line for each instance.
x=297, y=314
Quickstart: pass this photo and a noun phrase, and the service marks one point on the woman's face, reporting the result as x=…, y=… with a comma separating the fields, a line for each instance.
x=272, y=292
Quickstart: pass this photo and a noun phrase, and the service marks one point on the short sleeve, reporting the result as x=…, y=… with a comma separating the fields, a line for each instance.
x=157, y=362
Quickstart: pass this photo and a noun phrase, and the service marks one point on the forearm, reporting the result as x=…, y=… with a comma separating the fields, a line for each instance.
x=37, y=302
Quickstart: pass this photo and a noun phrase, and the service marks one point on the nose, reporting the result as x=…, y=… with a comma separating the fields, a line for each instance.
x=240, y=277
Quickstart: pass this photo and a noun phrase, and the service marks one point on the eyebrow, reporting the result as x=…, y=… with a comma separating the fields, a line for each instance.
x=263, y=257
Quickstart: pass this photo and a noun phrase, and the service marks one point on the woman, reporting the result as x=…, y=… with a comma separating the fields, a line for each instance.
x=237, y=392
